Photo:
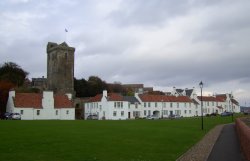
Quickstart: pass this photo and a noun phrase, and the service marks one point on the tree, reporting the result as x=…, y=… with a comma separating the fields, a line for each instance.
x=11, y=72
x=81, y=87
x=96, y=85
x=93, y=86
x=11, y=76
x=116, y=87
x=4, y=94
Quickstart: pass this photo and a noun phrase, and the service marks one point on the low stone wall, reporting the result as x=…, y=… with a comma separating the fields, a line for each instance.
x=243, y=132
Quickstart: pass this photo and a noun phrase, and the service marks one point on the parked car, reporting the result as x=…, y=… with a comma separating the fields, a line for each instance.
x=15, y=116
x=212, y=114
x=226, y=114
x=152, y=117
x=92, y=117
x=173, y=116
x=247, y=112
x=6, y=116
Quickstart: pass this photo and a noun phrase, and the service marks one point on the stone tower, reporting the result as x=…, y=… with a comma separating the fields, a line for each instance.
x=60, y=68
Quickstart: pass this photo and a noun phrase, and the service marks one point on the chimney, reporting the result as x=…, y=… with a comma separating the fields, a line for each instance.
x=105, y=93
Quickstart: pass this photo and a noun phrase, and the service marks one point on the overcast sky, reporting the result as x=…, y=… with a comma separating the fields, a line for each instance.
x=161, y=43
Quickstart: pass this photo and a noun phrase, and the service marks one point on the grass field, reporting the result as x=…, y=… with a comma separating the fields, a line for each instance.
x=131, y=140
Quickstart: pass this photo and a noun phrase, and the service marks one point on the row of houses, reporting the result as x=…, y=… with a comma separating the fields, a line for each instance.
x=113, y=106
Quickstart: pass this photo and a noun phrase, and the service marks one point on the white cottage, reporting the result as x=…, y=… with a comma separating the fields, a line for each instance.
x=164, y=105
x=113, y=106
x=41, y=106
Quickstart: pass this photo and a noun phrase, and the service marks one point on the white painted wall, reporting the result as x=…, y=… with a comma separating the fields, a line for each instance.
x=48, y=112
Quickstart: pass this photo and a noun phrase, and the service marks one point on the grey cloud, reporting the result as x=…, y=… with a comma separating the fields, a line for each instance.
x=141, y=12
x=160, y=43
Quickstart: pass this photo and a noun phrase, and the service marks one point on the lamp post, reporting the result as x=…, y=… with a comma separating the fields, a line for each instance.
x=201, y=86
x=232, y=110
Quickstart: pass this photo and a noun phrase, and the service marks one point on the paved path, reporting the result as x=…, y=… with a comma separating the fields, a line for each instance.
x=227, y=147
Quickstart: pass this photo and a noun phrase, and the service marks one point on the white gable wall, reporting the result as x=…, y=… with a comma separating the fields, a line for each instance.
x=48, y=100
x=48, y=112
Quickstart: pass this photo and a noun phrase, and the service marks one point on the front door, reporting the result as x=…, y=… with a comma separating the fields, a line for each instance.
x=129, y=115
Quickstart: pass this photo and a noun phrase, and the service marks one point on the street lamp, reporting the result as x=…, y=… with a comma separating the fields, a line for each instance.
x=232, y=109
x=201, y=86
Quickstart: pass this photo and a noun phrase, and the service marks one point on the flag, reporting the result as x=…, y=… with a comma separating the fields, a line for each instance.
x=66, y=30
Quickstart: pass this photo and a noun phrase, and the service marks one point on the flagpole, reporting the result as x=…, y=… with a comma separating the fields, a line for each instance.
x=66, y=31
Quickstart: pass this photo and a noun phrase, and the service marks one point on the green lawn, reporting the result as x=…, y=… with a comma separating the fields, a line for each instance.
x=132, y=140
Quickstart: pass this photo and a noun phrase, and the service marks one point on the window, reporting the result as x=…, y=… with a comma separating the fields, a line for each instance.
x=115, y=104
x=189, y=105
x=212, y=103
x=189, y=111
x=56, y=112
x=66, y=56
x=208, y=103
x=145, y=104
x=114, y=113
x=185, y=104
x=122, y=113
x=148, y=104
x=149, y=112
x=171, y=104
x=67, y=112
x=37, y=112
x=122, y=104
x=21, y=112
x=164, y=104
x=155, y=104
x=185, y=111
x=177, y=104
x=145, y=112
x=136, y=105
x=165, y=112
x=118, y=104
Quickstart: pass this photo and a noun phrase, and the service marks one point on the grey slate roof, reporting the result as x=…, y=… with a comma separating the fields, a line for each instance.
x=131, y=99
x=195, y=102
x=189, y=92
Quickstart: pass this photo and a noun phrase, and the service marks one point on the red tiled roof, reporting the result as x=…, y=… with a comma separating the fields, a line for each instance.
x=207, y=98
x=164, y=98
x=34, y=100
x=153, y=98
x=97, y=98
x=183, y=99
x=221, y=97
x=28, y=100
x=111, y=97
x=62, y=101
x=115, y=97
